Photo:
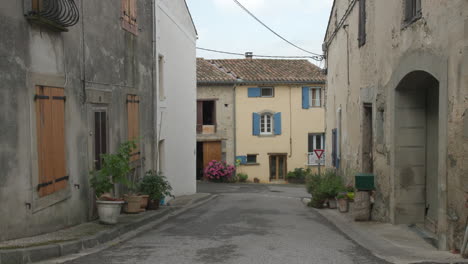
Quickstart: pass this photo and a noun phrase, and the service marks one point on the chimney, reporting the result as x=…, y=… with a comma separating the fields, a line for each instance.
x=249, y=55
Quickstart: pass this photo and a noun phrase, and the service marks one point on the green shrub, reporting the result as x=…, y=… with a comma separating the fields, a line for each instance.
x=298, y=174
x=242, y=177
x=155, y=185
x=323, y=187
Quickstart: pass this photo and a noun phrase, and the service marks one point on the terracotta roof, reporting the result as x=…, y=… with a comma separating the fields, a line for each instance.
x=209, y=73
x=269, y=70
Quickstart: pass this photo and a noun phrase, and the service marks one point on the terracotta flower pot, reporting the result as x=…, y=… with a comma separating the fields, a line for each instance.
x=153, y=204
x=133, y=204
x=144, y=201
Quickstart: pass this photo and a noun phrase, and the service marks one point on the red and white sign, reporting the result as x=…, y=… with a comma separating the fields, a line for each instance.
x=319, y=153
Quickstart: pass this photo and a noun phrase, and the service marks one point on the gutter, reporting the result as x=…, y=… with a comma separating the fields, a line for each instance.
x=243, y=82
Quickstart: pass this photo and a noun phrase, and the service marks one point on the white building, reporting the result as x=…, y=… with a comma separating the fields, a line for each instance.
x=176, y=95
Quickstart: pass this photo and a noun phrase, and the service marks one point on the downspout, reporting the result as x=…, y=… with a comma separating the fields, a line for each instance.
x=290, y=124
x=345, y=27
x=153, y=90
x=234, y=118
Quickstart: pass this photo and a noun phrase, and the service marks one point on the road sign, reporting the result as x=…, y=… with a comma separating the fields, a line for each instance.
x=319, y=153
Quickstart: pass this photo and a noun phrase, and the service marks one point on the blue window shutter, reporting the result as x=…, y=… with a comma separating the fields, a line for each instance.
x=243, y=159
x=305, y=97
x=256, y=124
x=254, y=92
x=277, y=123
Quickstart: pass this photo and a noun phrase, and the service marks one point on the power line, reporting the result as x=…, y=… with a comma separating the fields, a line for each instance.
x=267, y=27
x=317, y=58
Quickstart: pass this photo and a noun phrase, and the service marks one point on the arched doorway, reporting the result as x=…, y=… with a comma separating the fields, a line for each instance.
x=417, y=150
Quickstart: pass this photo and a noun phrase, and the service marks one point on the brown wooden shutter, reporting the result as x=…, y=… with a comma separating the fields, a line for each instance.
x=50, y=120
x=133, y=12
x=129, y=16
x=133, y=112
x=199, y=116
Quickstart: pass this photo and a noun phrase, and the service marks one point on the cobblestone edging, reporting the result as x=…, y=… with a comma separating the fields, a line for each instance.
x=55, y=250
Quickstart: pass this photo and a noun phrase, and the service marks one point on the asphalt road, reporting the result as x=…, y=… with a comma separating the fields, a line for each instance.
x=244, y=224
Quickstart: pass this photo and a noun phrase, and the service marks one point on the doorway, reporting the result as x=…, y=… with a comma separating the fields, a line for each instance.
x=367, y=140
x=206, y=152
x=416, y=150
x=278, y=167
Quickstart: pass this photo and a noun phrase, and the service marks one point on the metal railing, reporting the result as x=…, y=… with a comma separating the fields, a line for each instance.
x=62, y=12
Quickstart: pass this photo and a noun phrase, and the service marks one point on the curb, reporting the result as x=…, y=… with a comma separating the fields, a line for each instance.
x=121, y=233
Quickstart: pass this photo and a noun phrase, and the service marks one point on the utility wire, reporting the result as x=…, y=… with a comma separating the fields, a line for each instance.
x=317, y=58
x=267, y=27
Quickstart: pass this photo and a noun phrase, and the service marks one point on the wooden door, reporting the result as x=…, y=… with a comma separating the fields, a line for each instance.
x=278, y=167
x=211, y=151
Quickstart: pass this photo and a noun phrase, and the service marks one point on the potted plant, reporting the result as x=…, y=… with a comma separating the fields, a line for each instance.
x=242, y=177
x=114, y=170
x=219, y=171
x=298, y=175
x=343, y=203
x=156, y=187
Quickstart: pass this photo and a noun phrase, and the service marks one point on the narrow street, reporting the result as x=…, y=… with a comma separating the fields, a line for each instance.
x=246, y=223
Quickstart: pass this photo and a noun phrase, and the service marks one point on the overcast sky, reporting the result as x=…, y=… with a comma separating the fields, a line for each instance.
x=222, y=25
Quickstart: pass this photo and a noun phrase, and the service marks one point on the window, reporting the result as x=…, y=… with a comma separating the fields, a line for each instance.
x=266, y=92
x=129, y=16
x=362, y=23
x=133, y=119
x=51, y=156
x=100, y=137
x=162, y=94
x=266, y=124
x=260, y=92
x=412, y=10
x=251, y=158
x=315, y=97
x=206, y=115
x=316, y=142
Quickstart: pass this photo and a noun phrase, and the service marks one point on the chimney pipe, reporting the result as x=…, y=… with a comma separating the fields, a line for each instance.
x=249, y=55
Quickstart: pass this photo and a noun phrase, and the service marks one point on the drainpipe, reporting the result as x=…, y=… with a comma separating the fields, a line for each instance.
x=153, y=86
x=290, y=123
x=234, y=118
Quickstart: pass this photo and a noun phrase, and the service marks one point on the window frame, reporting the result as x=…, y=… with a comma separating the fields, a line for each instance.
x=314, y=141
x=416, y=12
x=311, y=96
x=264, y=124
x=267, y=88
x=251, y=162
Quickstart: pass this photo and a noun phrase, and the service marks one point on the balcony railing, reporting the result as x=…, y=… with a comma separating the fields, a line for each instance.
x=57, y=14
x=313, y=160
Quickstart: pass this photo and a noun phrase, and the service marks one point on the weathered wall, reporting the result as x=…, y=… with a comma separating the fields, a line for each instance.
x=224, y=96
x=436, y=43
x=297, y=123
x=176, y=113
x=97, y=52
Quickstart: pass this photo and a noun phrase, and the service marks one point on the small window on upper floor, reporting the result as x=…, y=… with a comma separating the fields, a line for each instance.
x=412, y=11
x=129, y=16
x=266, y=92
x=362, y=23
x=260, y=92
x=315, y=99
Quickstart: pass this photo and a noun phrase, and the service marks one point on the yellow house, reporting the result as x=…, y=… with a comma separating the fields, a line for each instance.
x=279, y=116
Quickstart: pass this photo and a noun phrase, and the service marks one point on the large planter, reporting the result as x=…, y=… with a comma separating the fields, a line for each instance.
x=109, y=211
x=343, y=205
x=133, y=204
x=144, y=202
x=153, y=204
x=332, y=203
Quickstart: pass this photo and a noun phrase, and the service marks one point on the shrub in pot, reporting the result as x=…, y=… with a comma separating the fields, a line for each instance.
x=324, y=188
x=114, y=170
x=156, y=187
x=242, y=177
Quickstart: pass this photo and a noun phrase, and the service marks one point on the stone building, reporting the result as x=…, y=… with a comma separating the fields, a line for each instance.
x=78, y=78
x=215, y=115
x=397, y=99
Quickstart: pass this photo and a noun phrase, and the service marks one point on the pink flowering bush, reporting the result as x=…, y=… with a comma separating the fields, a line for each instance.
x=219, y=171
